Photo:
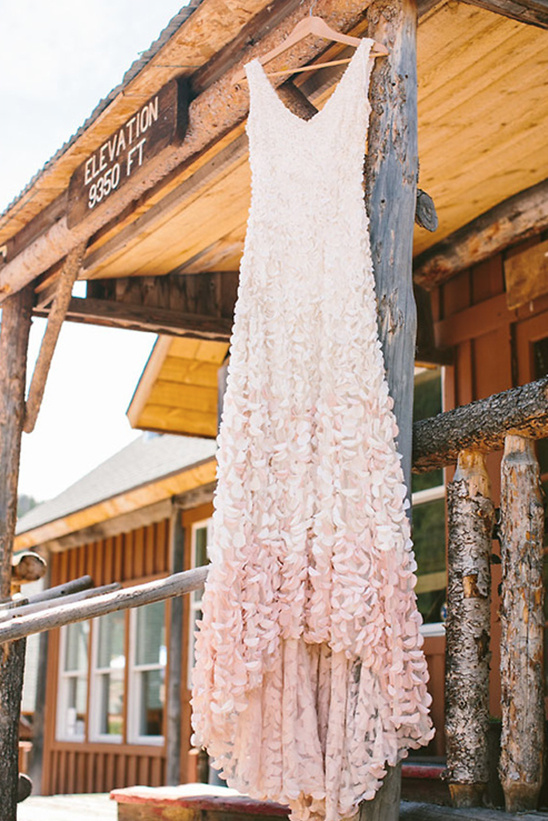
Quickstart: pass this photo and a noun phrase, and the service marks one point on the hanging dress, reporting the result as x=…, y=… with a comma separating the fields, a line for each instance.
x=309, y=673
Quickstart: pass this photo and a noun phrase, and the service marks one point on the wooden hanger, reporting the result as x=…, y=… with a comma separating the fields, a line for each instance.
x=318, y=27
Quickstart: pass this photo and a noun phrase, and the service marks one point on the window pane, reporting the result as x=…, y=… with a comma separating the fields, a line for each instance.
x=111, y=702
x=152, y=702
x=429, y=540
x=76, y=646
x=200, y=547
x=427, y=402
x=76, y=707
x=427, y=394
x=110, y=645
x=151, y=634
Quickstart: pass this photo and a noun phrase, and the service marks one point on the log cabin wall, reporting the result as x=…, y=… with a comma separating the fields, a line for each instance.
x=495, y=348
x=83, y=766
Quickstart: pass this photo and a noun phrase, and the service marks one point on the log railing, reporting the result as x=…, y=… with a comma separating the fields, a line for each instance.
x=510, y=420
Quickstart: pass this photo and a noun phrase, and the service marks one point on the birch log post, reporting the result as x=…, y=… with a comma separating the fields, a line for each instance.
x=522, y=623
x=470, y=519
x=14, y=334
x=391, y=192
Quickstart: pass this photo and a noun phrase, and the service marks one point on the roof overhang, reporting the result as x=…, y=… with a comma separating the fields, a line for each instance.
x=178, y=392
x=132, y=500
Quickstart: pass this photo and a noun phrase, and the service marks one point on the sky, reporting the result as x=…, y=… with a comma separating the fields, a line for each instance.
x=58, y=59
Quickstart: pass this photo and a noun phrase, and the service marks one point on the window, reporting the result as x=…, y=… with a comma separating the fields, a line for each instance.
x=148, y=666
x=108, y=679
x=73, y=682
x=428, y=495
x=126, y=702
x=200, y=538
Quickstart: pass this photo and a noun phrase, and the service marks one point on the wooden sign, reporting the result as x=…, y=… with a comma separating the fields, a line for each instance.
x=160, y=122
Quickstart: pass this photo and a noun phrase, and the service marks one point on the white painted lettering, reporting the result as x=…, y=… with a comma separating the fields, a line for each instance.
x=103, y=159
x=153, y=110
x=131, y=159
x=144, y=119
x=112, y=148
x=129, y=125
x=121, y=143
x=89, y=171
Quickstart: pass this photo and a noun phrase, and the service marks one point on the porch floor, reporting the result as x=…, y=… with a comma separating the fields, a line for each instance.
x=67, y=808
x=92, y=807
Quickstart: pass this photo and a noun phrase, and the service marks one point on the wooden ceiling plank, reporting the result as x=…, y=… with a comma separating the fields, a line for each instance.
x=516, y=52
x=189, y=372
x=190, y=398
x=174, y=420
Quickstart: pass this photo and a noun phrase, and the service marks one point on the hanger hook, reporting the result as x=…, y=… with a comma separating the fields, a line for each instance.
x=312, y=7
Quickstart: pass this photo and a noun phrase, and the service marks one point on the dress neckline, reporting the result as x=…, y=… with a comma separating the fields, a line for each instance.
x=256, y=65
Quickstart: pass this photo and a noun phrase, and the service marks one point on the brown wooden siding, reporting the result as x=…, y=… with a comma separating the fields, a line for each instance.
x=75, y=767
x=492, y=352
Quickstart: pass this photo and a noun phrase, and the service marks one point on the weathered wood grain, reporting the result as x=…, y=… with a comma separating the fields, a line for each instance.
x=481, y=425
x=391, y=172
x=74, y=586
x=52, y=617
x=515, y=219
x=522, y=621
x=470, y=524
x=14, y=334
x=12, y=665
x=133, y=317
x=533, y=12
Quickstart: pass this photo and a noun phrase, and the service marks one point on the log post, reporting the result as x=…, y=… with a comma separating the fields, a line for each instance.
x=471, y=519
x=522, y=622
x=391, y=193
x=14, y=334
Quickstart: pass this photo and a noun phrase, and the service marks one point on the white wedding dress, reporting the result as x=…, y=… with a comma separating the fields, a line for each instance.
x=310, y=675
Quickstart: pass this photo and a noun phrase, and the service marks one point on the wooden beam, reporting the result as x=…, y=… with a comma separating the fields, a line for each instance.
x=56, y=315
x=481, y=425
x=521, y=216
x=533, y=12
x=113, y=314
x=391, y=173
x=522, y=623
x=53, y=617
x=14, y=335
x=471, y=517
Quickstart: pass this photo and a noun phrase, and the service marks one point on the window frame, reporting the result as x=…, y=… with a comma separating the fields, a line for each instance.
x=135, y=689
x=421, y=497
x=94, y=690
x=63, y=680
x=195, y=599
